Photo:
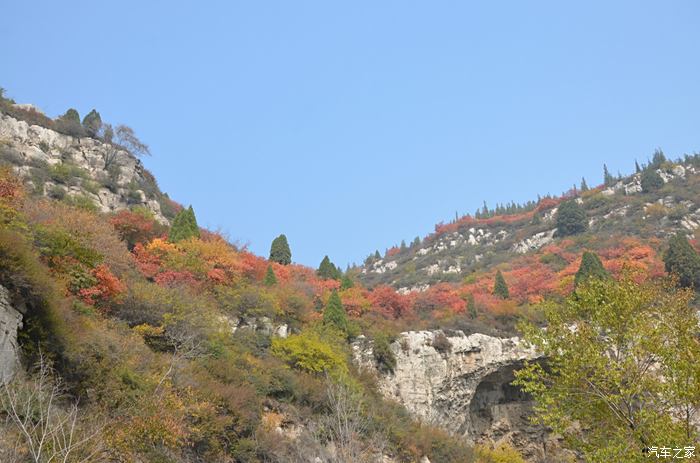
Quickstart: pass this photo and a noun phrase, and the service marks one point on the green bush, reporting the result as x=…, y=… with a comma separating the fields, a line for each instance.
x=81, y=202
x=651, y=181
x=383, y=355
x=27, y=278
x=66, y=174
x=309, y=352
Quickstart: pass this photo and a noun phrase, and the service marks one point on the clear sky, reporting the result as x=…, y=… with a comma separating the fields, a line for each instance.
x=352, y=125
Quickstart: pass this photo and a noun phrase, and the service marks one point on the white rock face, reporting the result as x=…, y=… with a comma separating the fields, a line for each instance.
x=439, y=386
x=464, y=387
x=32, y=144
x=10, y=322
x=536, y=241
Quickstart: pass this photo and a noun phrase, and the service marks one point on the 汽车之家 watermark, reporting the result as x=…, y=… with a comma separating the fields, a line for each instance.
x=670, y=452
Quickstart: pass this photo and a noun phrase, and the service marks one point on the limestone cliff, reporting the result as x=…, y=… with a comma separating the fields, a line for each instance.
x=10, y=323
x=463, y=384
x=80, y=169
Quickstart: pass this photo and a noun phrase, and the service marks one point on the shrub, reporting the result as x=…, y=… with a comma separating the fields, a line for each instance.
x=441, y=343
x=309, y=352
x=81, y=202
x=57, y=192
x=383, y=355
x=502, y=454
x=66, y=173
x=25, y=276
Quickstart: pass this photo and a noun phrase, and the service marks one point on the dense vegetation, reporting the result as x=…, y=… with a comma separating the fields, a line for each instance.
x=135, y=323
x=147, y=342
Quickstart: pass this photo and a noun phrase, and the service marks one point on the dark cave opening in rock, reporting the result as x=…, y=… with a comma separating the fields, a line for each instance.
x=497, y=400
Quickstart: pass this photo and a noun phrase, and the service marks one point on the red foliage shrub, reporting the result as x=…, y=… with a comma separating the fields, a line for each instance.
x=389, y=302
x=107, y=287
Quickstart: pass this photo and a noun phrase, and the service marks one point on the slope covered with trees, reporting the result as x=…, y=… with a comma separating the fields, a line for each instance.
x=161, y=341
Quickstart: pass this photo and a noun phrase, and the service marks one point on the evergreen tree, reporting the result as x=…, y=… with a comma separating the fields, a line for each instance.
x=608, y=179
x=471, y=306
x=403, y=245
x=416, y=242
x=591, y=267
x=536, y=218
x=334, y=313
x=346, y=282
x=270, y=278
x=658, y=159
x=184, y=226
x=500, y=288
x=280, y=252
x=92, y=123
x=683, y=261
x=651, y=181
x=637, y=169
x=571, y=218
x=71, y=116
x=327, y=270
x=584, y=185
x=69, y=124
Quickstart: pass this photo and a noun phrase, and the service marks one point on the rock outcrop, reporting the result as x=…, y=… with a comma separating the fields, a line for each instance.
x=62, y=166
x=10, y=323
x=463, y=384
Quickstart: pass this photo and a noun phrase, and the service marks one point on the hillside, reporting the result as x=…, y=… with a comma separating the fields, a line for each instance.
x=146, y=338
x=63, y=160
x=620, y=216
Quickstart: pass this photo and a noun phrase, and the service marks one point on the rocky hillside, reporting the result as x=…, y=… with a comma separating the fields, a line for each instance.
x=83, y=171
x=458, y=250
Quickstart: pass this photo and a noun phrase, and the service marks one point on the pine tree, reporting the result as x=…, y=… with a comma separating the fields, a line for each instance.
x=683, y=261
x=184, y=226
x=69, y=123
x=571, y=218
x=377, y=255
x=658, y=159
x=536, y=218
x=416, y=242
x=327, y=270
x=92, y=123
x=346, y=282
x=608, y=179
x=651, y=181
x=500, y=288
x=591, y=267
x=584, y=185
x=280, y=252
x=334, y=313
x=270, y=278
x=637, y=169
x=471, y=306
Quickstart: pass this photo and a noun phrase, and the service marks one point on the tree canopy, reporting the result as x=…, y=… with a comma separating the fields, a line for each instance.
x=334, y=313
x=500, y=288
x=184, y=226
x=623, y=368
x=280, y=252
x=328, y=271
x=591, y=267
x=683, y=261
x=651, y=181
x=571, y=218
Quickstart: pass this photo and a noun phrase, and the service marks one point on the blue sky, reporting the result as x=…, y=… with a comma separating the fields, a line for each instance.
x=352, y=125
